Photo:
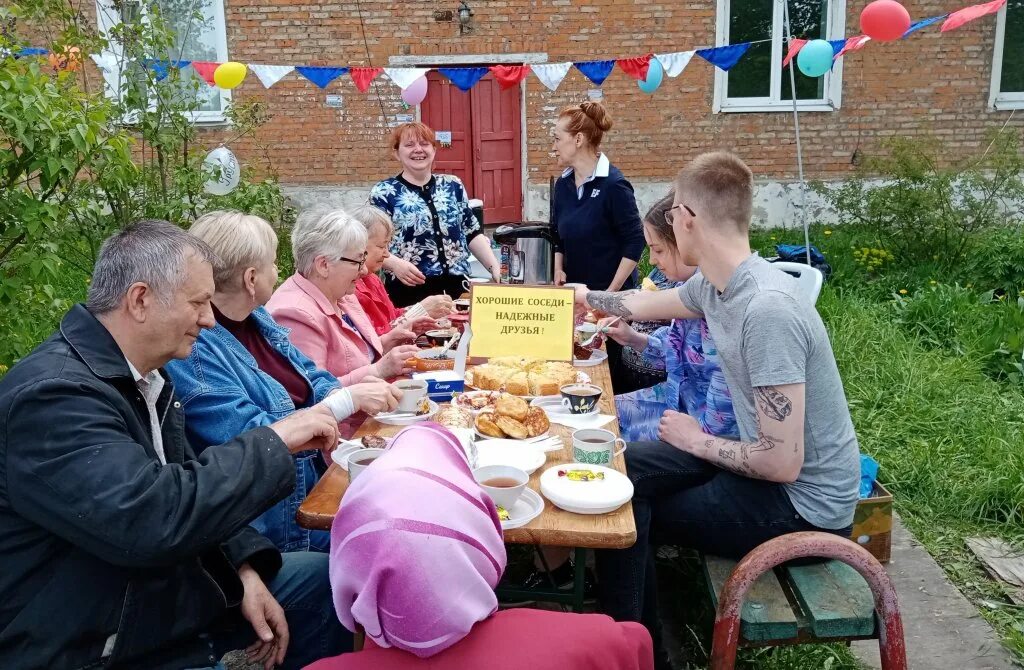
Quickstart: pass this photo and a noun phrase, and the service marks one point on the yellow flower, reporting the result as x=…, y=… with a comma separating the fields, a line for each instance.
x=903, y=291
x=828, y=232
x=773, y=238
x=933, y=282
x=970, y=285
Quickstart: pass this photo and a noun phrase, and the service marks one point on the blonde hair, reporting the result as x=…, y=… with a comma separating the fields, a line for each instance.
x=239, y=240
x=719, y=186
x=371, y=216
x=325, y=231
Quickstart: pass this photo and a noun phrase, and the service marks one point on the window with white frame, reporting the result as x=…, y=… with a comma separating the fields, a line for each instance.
x=198, y=26
x=1008, y=58
x=758, y=83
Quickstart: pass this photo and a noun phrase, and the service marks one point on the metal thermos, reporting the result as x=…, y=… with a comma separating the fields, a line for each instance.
x=527, y=253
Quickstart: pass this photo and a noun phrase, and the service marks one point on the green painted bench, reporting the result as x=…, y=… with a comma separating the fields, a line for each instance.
x=823, y=602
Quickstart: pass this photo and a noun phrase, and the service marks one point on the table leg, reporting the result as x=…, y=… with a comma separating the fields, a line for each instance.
x=578, y=578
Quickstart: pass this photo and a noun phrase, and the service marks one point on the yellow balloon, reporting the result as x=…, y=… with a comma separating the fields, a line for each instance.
x=229, y=75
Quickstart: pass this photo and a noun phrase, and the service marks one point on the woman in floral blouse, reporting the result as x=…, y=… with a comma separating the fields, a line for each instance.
x=435, y=230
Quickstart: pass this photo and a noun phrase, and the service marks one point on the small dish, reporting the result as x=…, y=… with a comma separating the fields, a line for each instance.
x=597, y=357
x=395, y=419
x=529, y=506
x=341, y=454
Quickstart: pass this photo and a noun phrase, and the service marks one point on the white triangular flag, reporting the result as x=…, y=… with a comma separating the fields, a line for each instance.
x=270, y=74
x=405, y=76
x=675, y=63
x=551, y=74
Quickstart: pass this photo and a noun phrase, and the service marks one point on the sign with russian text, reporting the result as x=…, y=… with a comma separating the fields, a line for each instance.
x=530, y=321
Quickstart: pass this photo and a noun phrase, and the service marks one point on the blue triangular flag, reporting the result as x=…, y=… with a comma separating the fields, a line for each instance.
x=319, y=74
x=161, y=68
x=923, y=23
x=724, y=57
x=31, y=51
x=837, y=46
x=463, y=77
x=596, y=70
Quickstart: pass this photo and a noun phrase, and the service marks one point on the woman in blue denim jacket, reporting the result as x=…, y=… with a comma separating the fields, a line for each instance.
x=244, y=372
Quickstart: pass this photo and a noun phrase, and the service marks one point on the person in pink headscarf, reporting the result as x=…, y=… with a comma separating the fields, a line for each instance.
x=416, y=551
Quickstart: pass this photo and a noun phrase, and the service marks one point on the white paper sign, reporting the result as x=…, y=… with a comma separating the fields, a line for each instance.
x=333, y=101
x=444, y=136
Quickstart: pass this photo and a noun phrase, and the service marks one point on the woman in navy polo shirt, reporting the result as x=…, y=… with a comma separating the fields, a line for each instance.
x=598, y=233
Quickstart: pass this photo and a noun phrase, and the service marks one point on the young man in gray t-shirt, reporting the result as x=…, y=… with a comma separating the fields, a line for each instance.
x=796, y=465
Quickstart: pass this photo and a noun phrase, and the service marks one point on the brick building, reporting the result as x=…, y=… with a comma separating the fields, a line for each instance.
x=955, y=86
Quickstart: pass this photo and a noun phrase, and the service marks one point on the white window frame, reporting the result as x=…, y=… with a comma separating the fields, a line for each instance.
x=997, y=100
x=107, y=18
x=835, y=28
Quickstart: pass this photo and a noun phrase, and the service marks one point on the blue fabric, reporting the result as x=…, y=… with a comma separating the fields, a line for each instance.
x=923, y=23
x=868, y=475
x=798, y=253
x=31, y=51
x=224, y=393
x=596, y=231
x=596, y=70
x=436, y=248
x=162, y=68
x=837, y=46
x=321, y=75
x=464, y=77
x=724, y=57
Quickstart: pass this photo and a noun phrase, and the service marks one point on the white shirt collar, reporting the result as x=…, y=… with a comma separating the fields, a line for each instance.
x=138, y=376
x=600, y=170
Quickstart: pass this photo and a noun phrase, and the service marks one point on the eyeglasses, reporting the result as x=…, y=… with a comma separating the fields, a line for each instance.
x=358, y=263
x=669, y=217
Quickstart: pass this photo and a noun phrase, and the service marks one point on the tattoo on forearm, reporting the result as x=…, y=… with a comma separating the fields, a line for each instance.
x=727, y=454
x=708, y=444
x=764, y=443
x=611, y=303
x=774, y=404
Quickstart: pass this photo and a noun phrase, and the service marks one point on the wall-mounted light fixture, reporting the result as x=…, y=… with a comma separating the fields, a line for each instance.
x=465, y=17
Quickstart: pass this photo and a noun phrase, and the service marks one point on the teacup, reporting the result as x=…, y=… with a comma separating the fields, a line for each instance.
x=412, y=390
x=503, y=483
x=595, y=446
x=462, y=305
x=440, y=337
x=361, y=459
x=580, y=398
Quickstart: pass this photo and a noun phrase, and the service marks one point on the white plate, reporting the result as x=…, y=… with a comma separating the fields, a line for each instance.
x=527, y=508
x=345, y=448
x=407, y=419
x=523, y=456
x=596, y=358
x=472, y=394
x=549, y=444
x=554, y=407
x=593, y=497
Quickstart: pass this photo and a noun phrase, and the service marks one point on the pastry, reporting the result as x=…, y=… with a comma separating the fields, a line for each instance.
x=512, y=406
x=518, y=384
x=374, y=442
x=541, y=384
x=454, y=417
x=486, y=425
x=536, y=422
x=511, y=427
x=581, y=353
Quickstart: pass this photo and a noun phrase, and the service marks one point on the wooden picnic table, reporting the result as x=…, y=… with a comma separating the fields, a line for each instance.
x=554, y=527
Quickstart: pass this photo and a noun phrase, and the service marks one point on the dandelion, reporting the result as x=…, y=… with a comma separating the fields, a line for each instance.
x=773, y=238
x=933, y=282
x=903, y=291
x=970, y=285
x=828, y=232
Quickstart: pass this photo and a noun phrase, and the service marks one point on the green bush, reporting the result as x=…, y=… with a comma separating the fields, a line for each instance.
x=997, y=261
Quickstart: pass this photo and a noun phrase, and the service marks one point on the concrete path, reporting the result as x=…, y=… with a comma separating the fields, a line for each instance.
x=943, y=630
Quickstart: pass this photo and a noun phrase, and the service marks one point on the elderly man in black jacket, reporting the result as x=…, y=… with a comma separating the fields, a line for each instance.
x=119, y=547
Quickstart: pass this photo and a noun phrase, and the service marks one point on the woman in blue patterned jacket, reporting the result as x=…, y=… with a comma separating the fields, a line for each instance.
x=435, y=230
x=695, y=383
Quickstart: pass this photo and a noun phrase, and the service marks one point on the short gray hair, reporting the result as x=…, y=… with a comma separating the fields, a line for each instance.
x=371, y=216
x=324, y=231
x=240, y=241
x=150, y=251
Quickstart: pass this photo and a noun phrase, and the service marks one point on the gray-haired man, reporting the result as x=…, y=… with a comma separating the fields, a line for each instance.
x=120, y=547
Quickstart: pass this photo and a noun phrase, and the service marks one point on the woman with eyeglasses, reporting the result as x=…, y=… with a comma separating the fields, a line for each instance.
x=319, y=305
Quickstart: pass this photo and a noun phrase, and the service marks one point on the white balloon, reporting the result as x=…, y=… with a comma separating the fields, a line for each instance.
x=226, y=169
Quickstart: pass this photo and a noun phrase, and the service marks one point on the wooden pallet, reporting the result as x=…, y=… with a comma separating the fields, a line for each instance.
x=822, y=602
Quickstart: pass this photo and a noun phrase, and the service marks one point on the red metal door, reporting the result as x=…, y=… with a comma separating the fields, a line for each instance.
x=447, y=109
x=497, y=162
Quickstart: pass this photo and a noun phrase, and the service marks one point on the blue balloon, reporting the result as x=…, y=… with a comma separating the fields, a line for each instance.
x=815, y=59
x=655, y=73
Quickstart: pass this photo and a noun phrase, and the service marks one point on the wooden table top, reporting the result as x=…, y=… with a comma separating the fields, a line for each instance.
x=554, y=527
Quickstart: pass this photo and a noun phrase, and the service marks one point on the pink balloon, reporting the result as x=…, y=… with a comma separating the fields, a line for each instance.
x=415, y=92
x=884, y=20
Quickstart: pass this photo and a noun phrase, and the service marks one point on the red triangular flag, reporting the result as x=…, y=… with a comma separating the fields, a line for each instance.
x=363, y=76
x=205, y=69
x=636, y=67
x=853, y=44
x=958, y=18
x=795, y=45
x=510, y=75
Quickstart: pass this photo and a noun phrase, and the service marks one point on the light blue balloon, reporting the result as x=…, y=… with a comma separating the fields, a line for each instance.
x=815, y=59
x=655, y=73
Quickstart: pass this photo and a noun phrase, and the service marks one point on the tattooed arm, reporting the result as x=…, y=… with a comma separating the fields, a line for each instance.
x=776, y=455
x=636, y=305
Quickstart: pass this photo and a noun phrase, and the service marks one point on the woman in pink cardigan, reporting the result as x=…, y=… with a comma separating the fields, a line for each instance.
x=318, y=302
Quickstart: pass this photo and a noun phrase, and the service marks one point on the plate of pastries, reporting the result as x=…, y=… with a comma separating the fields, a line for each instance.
x=524, y=377
x=512, y=418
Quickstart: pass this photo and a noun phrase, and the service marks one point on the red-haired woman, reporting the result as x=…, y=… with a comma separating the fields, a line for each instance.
x=435, y=230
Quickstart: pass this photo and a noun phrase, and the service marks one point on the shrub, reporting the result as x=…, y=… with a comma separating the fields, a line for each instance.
x=997, y=261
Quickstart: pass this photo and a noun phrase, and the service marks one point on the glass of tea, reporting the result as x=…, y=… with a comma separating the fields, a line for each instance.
x=503, y=483
x=360, y=460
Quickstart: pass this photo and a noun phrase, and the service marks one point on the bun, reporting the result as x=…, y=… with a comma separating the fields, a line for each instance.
x=598, y=114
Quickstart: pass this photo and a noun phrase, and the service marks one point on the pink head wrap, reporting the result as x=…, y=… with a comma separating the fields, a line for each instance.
x=416, y=549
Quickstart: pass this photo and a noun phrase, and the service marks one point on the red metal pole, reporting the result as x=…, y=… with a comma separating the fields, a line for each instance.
x=807, y=545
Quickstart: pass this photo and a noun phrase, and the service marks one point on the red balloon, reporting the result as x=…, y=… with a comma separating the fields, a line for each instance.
x=884, y=20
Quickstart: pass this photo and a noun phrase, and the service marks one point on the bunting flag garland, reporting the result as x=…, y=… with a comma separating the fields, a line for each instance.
x=510, y=75
x=362, y=77
x=853, y=44
x=724, y=57
x=967, y=14
x=596, y=70
x=636, y=67
x=464, y=78
x=162, y=68
x=837, y=46
x=204, y=69
x=404, y=76
x=320, y=75
x=923, y=23
x=795, y=45
x=675, y=63
x=270, y=74
x=551, y=74
x=31, y=51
